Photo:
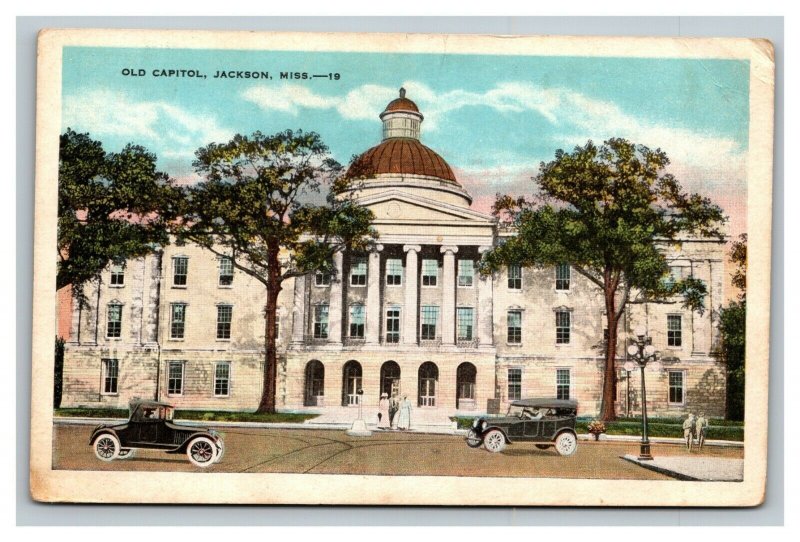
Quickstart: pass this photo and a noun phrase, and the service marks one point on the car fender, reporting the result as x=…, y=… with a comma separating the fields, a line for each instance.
x=102, y=431
x=182, y=448
x=495, y=428
x=565, y=430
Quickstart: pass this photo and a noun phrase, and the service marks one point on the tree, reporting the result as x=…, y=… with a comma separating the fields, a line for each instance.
x=255, y=207
x=608, y=211
x=733, y=329
x=111, y=206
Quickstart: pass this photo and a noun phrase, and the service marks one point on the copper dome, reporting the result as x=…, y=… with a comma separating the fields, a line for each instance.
x=402, y=104
x=401, y=155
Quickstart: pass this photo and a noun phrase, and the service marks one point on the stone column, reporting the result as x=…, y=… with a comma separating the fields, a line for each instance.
x=485, y=301
x=335, y=306
x=299, y=310
x=449, y=294
x=373, y=323
x=410, y=308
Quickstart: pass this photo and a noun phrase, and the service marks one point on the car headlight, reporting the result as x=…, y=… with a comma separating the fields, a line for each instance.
x=483, y=425
x=475, y=423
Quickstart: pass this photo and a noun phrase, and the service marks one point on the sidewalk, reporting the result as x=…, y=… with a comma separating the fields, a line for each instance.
x=698, y=469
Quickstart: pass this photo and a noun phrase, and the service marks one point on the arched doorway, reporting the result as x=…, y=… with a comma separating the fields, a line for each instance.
x=428, y=375
x=351, y=383
x=390, y=378
x=465, y=386
x=315, y=384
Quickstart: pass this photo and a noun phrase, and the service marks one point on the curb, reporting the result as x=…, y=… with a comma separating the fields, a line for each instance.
x=661, y=470
x=437, y=430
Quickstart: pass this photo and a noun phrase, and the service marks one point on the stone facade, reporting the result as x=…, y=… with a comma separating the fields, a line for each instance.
x=411, y=317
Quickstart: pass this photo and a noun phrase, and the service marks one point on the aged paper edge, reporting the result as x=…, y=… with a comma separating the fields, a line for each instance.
x=162, y=487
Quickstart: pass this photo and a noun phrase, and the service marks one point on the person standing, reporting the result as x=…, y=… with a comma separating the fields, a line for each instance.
x=688, y=430
x=404, y=419
x=384, y=420
x=700, y=429
x=394, y=408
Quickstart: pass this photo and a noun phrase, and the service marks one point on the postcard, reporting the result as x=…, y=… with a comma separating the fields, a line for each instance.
x=396, y=269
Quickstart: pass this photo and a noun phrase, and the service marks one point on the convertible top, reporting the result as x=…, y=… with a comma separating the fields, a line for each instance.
x=545, y=402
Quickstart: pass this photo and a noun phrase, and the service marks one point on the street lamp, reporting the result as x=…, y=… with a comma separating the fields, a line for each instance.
x=642, y=353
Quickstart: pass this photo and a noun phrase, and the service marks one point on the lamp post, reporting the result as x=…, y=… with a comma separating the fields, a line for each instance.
x=642, y=353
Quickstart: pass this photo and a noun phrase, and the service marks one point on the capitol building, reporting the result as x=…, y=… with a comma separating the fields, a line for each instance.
x=412, y=317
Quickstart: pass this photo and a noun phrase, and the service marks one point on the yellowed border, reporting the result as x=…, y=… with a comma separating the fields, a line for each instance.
x=131, y=487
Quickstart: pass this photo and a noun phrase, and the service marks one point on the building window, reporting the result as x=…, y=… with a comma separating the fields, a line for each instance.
x=225, y=271
x=562, y=327
x=177, y=320
x=118, y=274
x=514, y=384
x=110, y=368
x=321, y=321
x=357, y=318
x=430, y=315
x=224, y=317
x=674, y=333
x=465, y=322
x=175, y=378
x=358, y=271
x=180, y=270
x=676, y=389
x=514, y=319
x=562, y=276
x=430, y=272
x=562, y=383
x=394, y=272
x=515, y=277
x=393, y=325
x=222, y=379
x=466, y=273
x=322, y=279
x=114, y=321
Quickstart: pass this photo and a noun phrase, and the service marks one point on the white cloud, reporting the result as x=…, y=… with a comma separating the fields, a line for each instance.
x=109, y=113
x=572, y=117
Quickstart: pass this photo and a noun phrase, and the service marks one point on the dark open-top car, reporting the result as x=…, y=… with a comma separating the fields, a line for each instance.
x=150, y=426
x=545, y=422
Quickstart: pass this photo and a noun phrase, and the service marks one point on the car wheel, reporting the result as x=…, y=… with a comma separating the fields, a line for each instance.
x=202, y=452
x=220, y=450
x=106, y=447
x=542, y=446
x=127, y=453
x=566, y=444
x=473, y=440
x=494, y=441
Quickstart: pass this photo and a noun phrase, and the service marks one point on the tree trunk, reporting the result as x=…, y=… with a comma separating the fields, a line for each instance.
x=267, y=404
x=607, y=411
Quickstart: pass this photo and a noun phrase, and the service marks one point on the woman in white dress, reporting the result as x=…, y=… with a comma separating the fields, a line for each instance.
x=383, y=412
x=404, y=419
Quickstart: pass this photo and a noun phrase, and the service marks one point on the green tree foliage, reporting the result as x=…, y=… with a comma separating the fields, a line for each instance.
x=609, y=211
x=111, y=206
x=255, y=206
x=733, y=329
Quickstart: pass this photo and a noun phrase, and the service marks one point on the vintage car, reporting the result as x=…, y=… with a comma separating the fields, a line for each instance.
x=150, y=426
x=544, y=422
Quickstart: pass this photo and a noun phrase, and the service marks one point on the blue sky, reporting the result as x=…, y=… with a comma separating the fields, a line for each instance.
x=493, y=118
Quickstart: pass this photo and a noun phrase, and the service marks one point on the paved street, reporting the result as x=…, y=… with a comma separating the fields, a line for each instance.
x=384, y=453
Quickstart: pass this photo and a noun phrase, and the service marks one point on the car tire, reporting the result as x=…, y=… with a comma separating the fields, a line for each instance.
x=566, y=443
x=494, y=441
x=473, y=440
x=543, y=446
x=202, y=452
x=106, y=447
x=127, y=453
x=220, y=450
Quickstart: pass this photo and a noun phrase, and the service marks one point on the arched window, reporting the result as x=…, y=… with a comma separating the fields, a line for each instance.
x=465, y=386
x=351, y=383
x=428, y=376
x=315, y=383
x=390, y=378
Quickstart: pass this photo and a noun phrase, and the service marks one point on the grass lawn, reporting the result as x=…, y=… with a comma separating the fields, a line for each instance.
x=200, y=415
x=656, y=427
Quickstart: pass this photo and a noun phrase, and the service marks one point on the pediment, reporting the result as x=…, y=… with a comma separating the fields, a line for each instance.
x=395, y=206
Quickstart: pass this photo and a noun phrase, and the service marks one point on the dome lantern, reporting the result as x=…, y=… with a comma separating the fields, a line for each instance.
x=401, y=118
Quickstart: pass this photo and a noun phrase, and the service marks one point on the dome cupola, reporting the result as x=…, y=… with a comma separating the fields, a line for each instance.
x=401, y=118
